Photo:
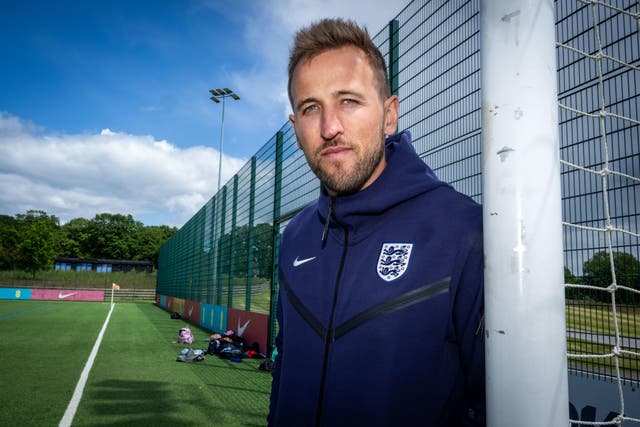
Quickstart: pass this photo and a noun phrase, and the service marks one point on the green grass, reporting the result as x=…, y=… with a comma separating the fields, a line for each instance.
x=599, y=320
x=260, y=294
x=629, y=364
x=77, y=279
x=261, y=302
x=135, y=379
x=43, y=352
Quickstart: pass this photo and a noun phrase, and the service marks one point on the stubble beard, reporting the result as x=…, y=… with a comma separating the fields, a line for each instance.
x=338, y=179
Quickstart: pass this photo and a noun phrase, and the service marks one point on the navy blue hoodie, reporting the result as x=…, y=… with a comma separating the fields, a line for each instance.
x=380, y=305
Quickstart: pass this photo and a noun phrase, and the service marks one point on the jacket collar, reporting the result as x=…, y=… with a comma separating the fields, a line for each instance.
x=404, y=177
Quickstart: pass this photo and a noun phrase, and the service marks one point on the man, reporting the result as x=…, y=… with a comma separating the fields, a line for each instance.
x=380, y=304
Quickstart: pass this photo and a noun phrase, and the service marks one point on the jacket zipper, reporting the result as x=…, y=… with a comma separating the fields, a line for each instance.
x=329, y=338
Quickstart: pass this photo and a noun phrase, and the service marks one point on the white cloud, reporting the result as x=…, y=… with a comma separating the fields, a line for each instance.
x=269, y=28
x=80, y=175
x=74, y=176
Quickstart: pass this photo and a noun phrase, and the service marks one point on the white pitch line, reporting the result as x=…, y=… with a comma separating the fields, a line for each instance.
x=67, y=418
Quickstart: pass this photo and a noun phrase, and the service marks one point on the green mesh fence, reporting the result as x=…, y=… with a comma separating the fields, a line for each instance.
x=226, y=253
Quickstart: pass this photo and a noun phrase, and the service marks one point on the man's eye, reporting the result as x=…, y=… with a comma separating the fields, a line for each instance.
x=309, y=109
x=349, y=101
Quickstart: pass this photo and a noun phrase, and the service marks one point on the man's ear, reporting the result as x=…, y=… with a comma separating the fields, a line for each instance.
x=292, y=119
x=391, y=107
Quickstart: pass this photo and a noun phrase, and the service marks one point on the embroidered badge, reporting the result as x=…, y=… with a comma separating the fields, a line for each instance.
x=393, y=260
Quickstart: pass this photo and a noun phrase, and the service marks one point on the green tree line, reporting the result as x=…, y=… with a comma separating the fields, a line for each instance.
x=597, y=272
x=32, y=241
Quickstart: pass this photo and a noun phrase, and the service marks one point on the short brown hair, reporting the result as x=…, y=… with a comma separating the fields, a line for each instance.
x=328, y=34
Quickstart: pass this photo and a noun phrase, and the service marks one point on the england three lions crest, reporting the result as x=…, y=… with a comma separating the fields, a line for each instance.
x=393, y=260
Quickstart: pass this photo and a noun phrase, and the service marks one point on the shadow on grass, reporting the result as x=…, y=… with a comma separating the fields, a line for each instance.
x=132, y=402
x=159, y=403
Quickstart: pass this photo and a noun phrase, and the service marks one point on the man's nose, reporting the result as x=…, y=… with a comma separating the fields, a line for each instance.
x=331, y=124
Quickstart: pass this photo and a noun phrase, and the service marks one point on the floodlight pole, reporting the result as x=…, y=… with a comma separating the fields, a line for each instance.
x=221, y=146
x=216, y=95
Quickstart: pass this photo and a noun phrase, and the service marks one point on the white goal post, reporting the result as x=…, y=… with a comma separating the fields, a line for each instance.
x=525, y=330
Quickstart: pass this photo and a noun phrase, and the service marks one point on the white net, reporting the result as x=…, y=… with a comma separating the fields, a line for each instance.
x=607, y=60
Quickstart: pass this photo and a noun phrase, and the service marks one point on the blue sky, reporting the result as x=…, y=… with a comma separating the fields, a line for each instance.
x=104, y=106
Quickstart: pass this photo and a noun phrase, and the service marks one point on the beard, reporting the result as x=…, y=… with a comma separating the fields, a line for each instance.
x=342, y=179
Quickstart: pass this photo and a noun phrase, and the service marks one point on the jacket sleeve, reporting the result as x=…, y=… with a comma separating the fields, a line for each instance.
x=275, y=373
x=468, y=314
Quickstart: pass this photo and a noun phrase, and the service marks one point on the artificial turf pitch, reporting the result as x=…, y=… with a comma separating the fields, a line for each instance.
x=135, y=379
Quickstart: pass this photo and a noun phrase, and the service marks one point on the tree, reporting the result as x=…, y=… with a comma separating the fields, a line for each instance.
x=597, y=272
x=50, y=221
x=112, y=236
x=263, y=250
x=148, y=241
x=27, y=241
x=36, y=247
x=572, y=293
x=34, y=239
x=262, y=242
x=8, y=242
x=74, y=239
x=569, y=277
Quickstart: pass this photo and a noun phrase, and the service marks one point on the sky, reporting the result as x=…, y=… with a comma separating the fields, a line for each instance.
x=104, y=106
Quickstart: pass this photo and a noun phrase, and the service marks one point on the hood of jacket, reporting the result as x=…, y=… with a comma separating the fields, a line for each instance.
x=404, y=177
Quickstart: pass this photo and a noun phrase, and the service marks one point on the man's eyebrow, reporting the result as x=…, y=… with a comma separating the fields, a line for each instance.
x=349, y=92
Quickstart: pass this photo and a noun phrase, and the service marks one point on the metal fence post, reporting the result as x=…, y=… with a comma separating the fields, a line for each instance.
x=232, y=241
x=277, y=188
x=222, y=215
x=252, y=209
x=394, y=54
x=210, y=259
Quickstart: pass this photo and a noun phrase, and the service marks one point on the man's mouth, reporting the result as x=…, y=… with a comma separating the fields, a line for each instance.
x=334, y=150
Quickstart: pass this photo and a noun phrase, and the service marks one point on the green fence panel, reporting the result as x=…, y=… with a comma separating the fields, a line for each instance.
x=227, y=252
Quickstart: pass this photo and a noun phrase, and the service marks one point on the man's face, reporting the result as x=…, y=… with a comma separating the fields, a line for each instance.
x=339, y=119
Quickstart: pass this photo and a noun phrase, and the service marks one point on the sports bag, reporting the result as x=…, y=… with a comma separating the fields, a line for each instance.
x=185, y=336
x=189, y=355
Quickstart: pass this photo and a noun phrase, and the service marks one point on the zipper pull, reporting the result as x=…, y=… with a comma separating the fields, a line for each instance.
x=330, y=337
x=328, y=220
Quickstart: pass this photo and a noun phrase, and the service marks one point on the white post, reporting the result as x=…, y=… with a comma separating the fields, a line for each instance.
x=114, y=286
x=524, y=293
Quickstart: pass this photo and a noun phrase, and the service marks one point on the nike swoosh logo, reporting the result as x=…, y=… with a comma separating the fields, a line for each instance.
x=63, y=296
x=242, y=328
x=298, y=262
